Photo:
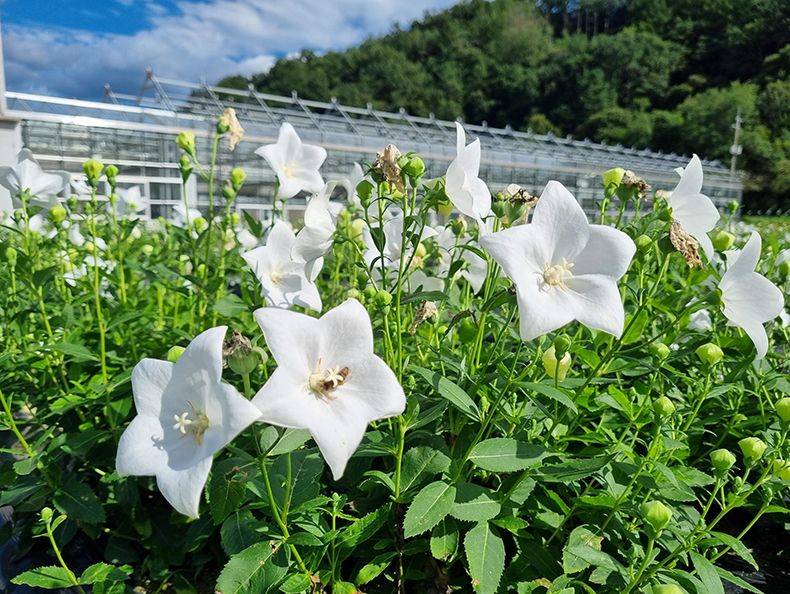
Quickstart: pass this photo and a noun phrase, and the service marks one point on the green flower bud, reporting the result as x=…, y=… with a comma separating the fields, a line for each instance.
x=782, y=470
x=732, y=207
x=237, y=177
x=446, y=207
x=11, y=255
x=643, y=243
x=656, y=514
x=723, y=240
x=415, y=168
x=613, y=177
x=235, y=218
x=782, y=408
x=498, y=207
x=201, y=270
x=352, y=294
x=147, y=249
x=722, y=460
x=174, y=353
x=561, y=345
x=111, y=171
x=784, y=268
x=660, y=351
x=458, y=227
x=222, y=125
x=89, y=246
x=663, y=407
x=752, y=448
x=467, y=331
x=365, y=193
x=228, y=193
x=199, y=223
x=709, y=353
x=383, y=298
x=556, y=368
x=46, y=514
x=72, y=203
x=93, y=169
x=183, y=258
x=369, y=292
x=244, y=363
x=668, y=589
x=186, y=140
x=356, y=229
x=57, y=214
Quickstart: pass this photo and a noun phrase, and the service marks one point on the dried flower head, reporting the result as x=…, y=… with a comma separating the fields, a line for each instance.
x=236, y=131
x=427, y=310
x=518, y=195
x=630, y=180
x=386, y=164
x=237, y=342
x=685, y=244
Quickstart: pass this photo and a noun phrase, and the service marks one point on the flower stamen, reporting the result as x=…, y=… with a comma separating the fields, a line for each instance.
x=555, y=276
x=325, y=382
x=197, y=426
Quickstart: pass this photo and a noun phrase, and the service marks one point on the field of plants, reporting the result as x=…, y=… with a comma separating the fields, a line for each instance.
x=419, y=386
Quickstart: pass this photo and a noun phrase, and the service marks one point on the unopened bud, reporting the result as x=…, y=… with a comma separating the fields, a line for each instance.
x=613, y=177
x=445, y=207
x=186, y=140
x=709, y=353
x=174, y=353
x=92, y=169
x=782, y=470
x=561, y=345
x=383, y=298
x=46, y=514
x=199, y=223
x=415, y=168
x=784, y=268
x=228, y=193
x=237, y=177
x=556, y=369
x=111, y=171
x=147, y=249
x=752, y=448
x=458, y=227
x=235, y=218
x=732, y=207
x=667, y=589
x=656, y=514
x=660, y=351
x=356, y=229
x=663, y=407
x=723, y=240
x=722, y=460
x=201, y=270
x=113, y=198
x=90, y=247
x=72, y=203
x=643, y=243
x=352, y=294
x=783, y=409
x=11, y=255
x=57, y=214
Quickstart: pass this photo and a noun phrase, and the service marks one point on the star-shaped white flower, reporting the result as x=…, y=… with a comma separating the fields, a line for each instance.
x=296, y=164
x=27, y=175
x=564, y=268
x=130, y=201
x=749, y=298
x=185, y=414
x=283, y=280
x=393, y=248
x=468, y=193
x=181, y=214
x=350, y=183
x=328, y=379
x=314, y=240
x=695, y=212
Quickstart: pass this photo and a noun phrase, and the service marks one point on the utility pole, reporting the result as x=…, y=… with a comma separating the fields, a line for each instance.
x=736, y=149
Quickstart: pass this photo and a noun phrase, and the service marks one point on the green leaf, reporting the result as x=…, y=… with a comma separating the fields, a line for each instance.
x=295, y=583
x=445, y=539
x=44, y=577
x=102, y=572
x=726, y=575
x=425, y=296
x=373, y=569
x=306, y=468
x=474, y=503
x=447, y=389
x=574, y=470
x=637, y=327
x=549, y=392
x=485, y=553
x=291, y=439
x=419, y=461
x=256, y=570
x=225, y=493
x=363, y=528
x=429, y=507
x=78, y=502
x=707, y=573
x=231, y=306
x=582, y=550
x=74, y=352
x=737, y=546
x=240, y=531
x=504, y=454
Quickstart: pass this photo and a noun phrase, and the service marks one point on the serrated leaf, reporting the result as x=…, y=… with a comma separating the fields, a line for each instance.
x=295, y=583
x=485, y=554
x=419, y=461
x=78, y=502
x=50, y=577
x=256, y=570
x=291, y=439
x=102, y=572
x=447, y=389
x=474, y=503
x=445, y=539
x=429, y=507
x=225, y=493
x=707, y=573
x=574, y=470
x=636, y=326
x=363, y=528
x=239, y=531
x=582, y=550
x=306, y=468
x=504, y=454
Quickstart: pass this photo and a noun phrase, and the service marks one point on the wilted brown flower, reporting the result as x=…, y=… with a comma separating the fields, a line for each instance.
x=630, y=180
x=236, y=131
x=427, y=311
x=237, y=342
x=386, y=164
x=685, y=244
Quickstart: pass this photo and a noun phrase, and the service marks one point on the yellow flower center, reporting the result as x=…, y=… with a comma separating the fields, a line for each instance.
x=288, y=170
x=186, y=425
x=276, y=276
x=324, y=382
x=555, y=276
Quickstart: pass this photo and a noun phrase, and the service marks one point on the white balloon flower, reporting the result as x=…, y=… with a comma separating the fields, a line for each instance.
x=564, y=268
x=185, y=414
x=468, y=193
x=748, y=297
x=695, y=212
x=283, y=280
x=27, y=175
x=393, y=246
x=296, y=164
x=314, y=240
x=131, y=201
x=328, y=379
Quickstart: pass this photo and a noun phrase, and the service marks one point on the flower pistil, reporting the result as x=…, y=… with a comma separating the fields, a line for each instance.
x=327, y=381
x=555, y=276
x=197, y=426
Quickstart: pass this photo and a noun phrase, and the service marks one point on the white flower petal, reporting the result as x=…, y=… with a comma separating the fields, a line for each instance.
x=291, y=338
x=695, y=212
x=139, y=450
x=182, y=488
x=608, y=251
x=149, y=380
x=542, y=311
x=563, y=222
x=348, y=334
x=597, y=303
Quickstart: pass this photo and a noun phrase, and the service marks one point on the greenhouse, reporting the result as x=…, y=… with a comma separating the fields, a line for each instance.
x=136, y=133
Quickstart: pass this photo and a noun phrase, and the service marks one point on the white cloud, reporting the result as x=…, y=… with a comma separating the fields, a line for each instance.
x=208, y=38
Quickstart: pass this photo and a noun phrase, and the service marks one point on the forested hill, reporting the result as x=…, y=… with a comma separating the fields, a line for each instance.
x=664, y=74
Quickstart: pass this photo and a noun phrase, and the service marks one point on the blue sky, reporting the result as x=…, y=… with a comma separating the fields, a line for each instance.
x=73, y=47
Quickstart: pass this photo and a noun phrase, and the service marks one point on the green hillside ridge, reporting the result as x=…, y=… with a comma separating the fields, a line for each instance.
x=664, y=74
